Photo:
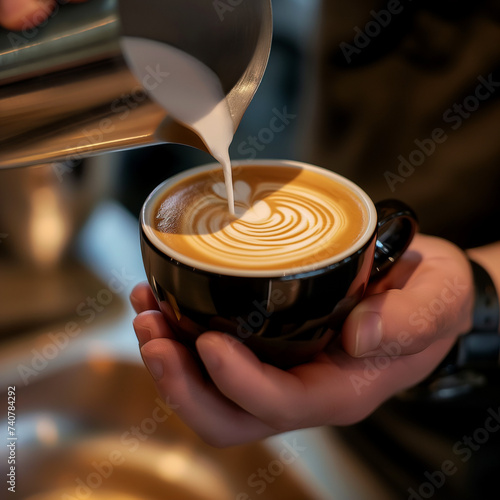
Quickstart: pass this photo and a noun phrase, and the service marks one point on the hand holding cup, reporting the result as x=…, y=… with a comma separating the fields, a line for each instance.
x=283, y=274
x=383, y=353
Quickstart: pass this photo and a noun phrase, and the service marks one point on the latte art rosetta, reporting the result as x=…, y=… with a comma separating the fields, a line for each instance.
x=284, y=227
x=280, y=223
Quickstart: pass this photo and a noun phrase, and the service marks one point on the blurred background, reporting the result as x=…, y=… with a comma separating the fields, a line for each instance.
x=363, y=89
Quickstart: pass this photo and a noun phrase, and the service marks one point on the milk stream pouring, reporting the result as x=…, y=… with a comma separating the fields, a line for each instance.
x=69, y=89
x=191, y=92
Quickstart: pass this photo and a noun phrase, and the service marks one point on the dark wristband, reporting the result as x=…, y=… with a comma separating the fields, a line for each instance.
x=480, y=347
x=475, y=354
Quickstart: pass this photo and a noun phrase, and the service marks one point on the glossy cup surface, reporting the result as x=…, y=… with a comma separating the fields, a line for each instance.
x=286, y=318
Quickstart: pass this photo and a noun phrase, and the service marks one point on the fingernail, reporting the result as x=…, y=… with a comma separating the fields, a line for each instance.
x=135, y=303
x=209, y=353
x=154, y=365
x=231, y=342
x=368, y=333
x=143, y=334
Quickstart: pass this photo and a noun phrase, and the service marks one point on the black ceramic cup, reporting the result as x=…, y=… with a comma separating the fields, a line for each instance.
x=285, y=317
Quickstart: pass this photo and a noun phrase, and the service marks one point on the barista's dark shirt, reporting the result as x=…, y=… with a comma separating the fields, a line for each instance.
x=408, y=106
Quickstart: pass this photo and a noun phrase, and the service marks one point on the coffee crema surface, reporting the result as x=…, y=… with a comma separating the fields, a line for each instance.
x=286, y=217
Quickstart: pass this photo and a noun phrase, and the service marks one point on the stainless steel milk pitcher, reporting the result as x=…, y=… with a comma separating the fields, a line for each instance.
x=66, y=91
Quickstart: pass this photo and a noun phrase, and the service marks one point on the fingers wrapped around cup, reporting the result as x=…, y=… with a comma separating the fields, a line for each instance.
x=280, y=275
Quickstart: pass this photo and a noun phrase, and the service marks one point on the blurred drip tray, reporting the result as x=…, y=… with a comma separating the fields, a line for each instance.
x=99, y=430
x=32, y=298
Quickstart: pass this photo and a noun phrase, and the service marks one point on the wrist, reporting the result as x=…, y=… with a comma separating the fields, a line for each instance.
x=480, y=348
x=489, y=258
x=475, y=354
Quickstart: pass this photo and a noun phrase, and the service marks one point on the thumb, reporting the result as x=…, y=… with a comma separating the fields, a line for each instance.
x=407, y=321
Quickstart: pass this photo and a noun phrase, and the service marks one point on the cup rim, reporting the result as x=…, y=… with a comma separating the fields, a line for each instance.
x=151, y=201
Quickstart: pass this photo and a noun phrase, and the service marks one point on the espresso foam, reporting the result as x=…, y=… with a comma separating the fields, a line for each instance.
x=285, y=218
